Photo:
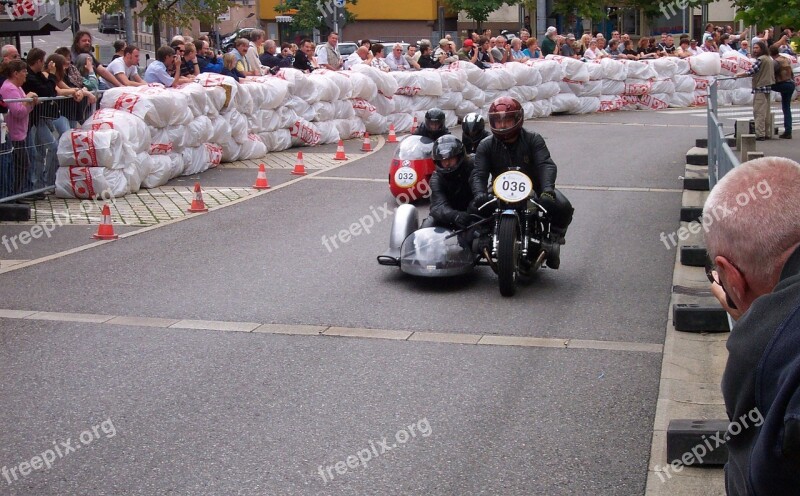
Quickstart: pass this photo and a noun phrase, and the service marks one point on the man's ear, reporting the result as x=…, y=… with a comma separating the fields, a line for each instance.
x=735, y=283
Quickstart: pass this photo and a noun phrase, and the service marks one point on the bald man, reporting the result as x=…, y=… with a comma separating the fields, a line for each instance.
x=752, y=222
x=361, y=56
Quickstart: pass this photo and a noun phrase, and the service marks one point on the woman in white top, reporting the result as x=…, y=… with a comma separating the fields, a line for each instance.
x=591, y=52
x=377, y=58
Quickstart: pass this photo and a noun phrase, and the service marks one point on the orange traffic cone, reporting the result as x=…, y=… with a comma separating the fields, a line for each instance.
x=367, y=146
x=340, y=152
x=261, y=179
x=299, y=168
x=106, y=229
x=198, y=205
x=392, y=136
x=414, y=125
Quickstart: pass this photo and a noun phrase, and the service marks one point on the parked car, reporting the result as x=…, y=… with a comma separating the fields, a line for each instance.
x=346, y=48
x=111, y=23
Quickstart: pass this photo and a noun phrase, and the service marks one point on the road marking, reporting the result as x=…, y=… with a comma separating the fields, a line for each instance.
x=619, y=188
x=366, y=179
x=335, y=331
x=621, y=124
x=29, y=263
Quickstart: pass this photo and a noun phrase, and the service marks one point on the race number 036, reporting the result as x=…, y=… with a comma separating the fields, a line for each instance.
x=512, y=186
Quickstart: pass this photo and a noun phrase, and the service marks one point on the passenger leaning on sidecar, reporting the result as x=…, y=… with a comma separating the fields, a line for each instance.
x=450, y=191
x=513, y=146
x=434, y=125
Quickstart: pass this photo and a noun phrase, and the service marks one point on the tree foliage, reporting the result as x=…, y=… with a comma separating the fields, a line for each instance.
x=765, y=13
x=172, y=12
x=309, y=13
x=477, y=10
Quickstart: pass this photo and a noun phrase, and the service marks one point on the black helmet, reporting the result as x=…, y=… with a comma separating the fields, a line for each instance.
x=473, y=125
x=447, y=146
x=434, y=119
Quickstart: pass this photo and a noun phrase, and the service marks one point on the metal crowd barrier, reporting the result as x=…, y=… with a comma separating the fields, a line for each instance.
x=721, y=158
x=28, y=167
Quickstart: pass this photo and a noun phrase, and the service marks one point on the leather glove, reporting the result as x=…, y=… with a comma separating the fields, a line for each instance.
x=480, y=199
x=548, y=196
x=462, y=220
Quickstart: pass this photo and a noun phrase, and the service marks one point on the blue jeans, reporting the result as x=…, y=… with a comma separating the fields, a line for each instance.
x=42, y=145
x=786, y=89
x=6, y=170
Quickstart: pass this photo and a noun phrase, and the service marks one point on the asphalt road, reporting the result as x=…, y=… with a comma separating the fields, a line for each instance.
x=212, y=412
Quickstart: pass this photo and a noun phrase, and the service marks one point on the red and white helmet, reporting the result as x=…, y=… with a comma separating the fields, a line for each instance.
x=503, y=109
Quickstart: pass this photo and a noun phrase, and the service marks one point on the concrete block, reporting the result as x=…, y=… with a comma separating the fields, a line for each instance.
x=693, y=317
x=747, y=144
x=697, y=156
x=698, y=183
x=15, y=212
x=697, y=442
x=754, y=155
x=690, y=214
x=693, y=255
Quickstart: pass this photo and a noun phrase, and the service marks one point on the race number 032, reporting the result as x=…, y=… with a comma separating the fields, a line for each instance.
x=405, y=177
x=512, y=186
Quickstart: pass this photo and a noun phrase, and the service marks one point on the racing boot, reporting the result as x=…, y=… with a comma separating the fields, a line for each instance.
x=557, y=234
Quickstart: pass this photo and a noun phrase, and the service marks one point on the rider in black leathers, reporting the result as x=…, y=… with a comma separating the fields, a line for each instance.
x=473, y=131
x=434, y=125
x=450, y=190
x=511, y=145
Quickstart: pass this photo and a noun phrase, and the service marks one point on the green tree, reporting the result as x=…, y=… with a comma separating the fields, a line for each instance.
x=309, y=13
x=765, y=13
x=171, y=12
x=477, y=10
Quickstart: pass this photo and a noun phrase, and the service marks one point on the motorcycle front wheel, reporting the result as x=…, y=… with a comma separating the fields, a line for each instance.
x=508, y=255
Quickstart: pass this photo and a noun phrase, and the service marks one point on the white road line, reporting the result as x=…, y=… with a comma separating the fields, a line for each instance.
x=367, y=179
x=334, y=331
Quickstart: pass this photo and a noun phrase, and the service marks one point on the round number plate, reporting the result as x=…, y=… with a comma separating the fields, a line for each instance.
x=405, y=177
x=512, y=186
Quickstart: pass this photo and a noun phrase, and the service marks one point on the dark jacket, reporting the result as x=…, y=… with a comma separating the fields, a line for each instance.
x=43, y=87
x=271, y=60
x=451, y=194
x=301, y=62
x=234, y=73
x=427, y=62
x=208, y=64
x=529, y=152
x=761, y=383
x=471, y=146
x=422, y=130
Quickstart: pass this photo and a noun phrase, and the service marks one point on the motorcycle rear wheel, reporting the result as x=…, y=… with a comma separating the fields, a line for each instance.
x=508, y=255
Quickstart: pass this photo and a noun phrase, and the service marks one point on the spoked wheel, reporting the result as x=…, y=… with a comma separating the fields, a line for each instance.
x=507, y=255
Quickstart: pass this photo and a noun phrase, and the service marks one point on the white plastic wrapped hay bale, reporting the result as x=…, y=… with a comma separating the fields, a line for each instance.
x=496, y=78
x=638, y=70
x=362, y=108
x=363, y=86
x=565, y=103
x=637, y=87
x=682, y=67
x=90, y=182
x=654, y=101
x=350, y=128
x=252, y=149
x=587, y=105
x=550, y=70
x=197, y=99
x=277, y=141
x=105, y=148
x=610, y=103
x=471, y=72
x=524, y=74
x=547, y=90
x=201, y=158
x=131, y=128
x=595, y=70
x=700, y=98
x=662, y=86
x=328, y=132
x=385, y=83
x=681, y=99
x=725, y=97
x=413, y=83
x=705, y=64
x=541, y=108
x=230, y=150
x=220, y=90
x=300, y=107
x=614, y=70
x=524, y=93
x=665, y=67
x=304, y=133
x=614, y=87
x=167, y=140
x=474, y=94
x=452, y=80
x=160, y=171
x=450, y=100
x=238, y=124
x=683, y=84
x=574, y=70
x=159, y=107
x=199, y=131
x=379, y=124
x=741, y=96
x=592, y=89
x=384, y=105
x=466, y=107
x=326, y=86
x=221, y=129
x=323, y=111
